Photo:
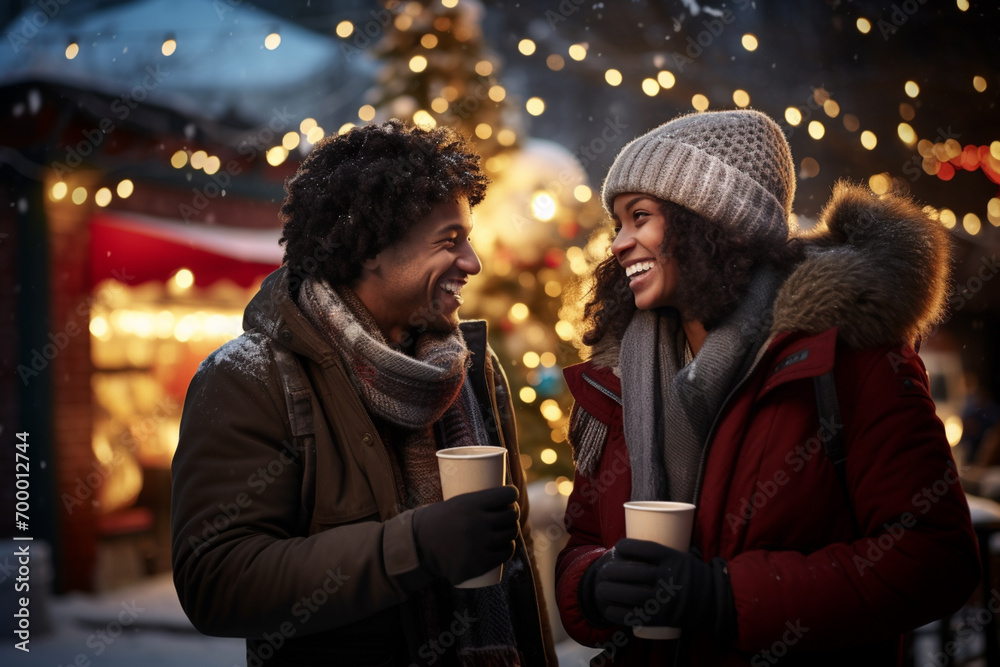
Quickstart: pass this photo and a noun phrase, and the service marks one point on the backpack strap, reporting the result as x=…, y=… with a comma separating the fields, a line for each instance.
x=836, y=450
x=299, y=403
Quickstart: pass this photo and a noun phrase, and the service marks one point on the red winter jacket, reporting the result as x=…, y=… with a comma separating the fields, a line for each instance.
x=808, y=590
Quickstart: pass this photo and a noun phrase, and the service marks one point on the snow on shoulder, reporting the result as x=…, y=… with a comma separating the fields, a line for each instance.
x=248, y=353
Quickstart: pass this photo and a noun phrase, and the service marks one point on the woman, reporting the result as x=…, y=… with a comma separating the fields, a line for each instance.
x=709, y=328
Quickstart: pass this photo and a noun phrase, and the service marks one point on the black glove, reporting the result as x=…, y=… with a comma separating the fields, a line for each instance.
x=467, y=535
x=594, y=575
x=646, y=583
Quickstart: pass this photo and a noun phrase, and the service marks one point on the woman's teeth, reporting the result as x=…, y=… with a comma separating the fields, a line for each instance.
x=638, y=268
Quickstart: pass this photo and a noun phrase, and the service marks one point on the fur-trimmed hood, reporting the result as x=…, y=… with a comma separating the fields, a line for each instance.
x=876, y=267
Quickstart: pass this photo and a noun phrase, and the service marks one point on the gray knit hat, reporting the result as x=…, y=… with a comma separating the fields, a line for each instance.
x=733, y=167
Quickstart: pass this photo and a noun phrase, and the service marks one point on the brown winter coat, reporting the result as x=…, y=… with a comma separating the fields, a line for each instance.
x=331, y=586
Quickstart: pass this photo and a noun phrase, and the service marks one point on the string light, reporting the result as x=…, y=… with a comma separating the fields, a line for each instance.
x=178, y=159
x=741, y=98
x=418, y=64
x=879, y=183
x=506, y=137
x=213, y=164
x=527, y=395
x=565, y=330
x=613, y=77
x=816, y=129
x=424, y=120
x=102, y=197
x=79, y=195
x=125, y=189
x=535, y=106
x=868, y=139
x=497, y=93
x=650, y=87
x=291, y=140
x=864, y=25
x=276, y=155
x=831, y=108
x=793, y=115
x=59, y=191
x=72, y=50
x=948, y=218
x=543, y=206
x=184, y=278
x=749, y=42
x=551, y=410
x=972, y=224
x=306, y=125
x=577, y=52
x=666, y=79
x=906, y=133
x=345, y=29
x=198, y=159
x=699, y=102
x=403, y=22
x=169, y=46
x=272, y=41
x=526, y=47
x=314, y=134
x=808, y=168
x=911, y=88
x=366, y=113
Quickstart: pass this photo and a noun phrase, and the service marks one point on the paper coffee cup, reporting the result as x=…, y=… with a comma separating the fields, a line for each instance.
x=665, y=523
x=468, y=469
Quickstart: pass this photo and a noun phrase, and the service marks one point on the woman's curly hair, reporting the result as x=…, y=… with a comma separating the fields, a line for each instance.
x=715, y=267
x=357, y=193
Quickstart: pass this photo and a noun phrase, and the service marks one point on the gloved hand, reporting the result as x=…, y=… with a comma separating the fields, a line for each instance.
x=595, y=574
x=646, y=583
x=467, y=535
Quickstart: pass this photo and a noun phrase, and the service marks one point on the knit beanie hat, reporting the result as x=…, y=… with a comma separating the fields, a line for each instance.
x=733, y=167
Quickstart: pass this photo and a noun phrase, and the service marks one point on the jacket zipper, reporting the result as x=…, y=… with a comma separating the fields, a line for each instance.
x=601, y=388
x=715, y=421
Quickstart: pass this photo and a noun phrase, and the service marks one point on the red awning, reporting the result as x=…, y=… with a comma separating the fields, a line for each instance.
x=136, y=249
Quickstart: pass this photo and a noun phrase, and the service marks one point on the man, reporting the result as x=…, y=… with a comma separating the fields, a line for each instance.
x=307, y=512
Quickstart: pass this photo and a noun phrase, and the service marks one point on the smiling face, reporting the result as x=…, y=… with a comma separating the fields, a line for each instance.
x=638, y=247
x=416, y=283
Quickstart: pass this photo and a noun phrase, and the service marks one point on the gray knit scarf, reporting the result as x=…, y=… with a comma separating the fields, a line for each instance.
x=669, y=410
x=419, y=402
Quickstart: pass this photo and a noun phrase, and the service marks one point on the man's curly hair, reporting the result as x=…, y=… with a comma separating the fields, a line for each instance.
x=357, y=193
x=715, y=268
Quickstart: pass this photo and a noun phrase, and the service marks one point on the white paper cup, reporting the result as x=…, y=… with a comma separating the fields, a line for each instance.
x=665, y=523
x=468, y=469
